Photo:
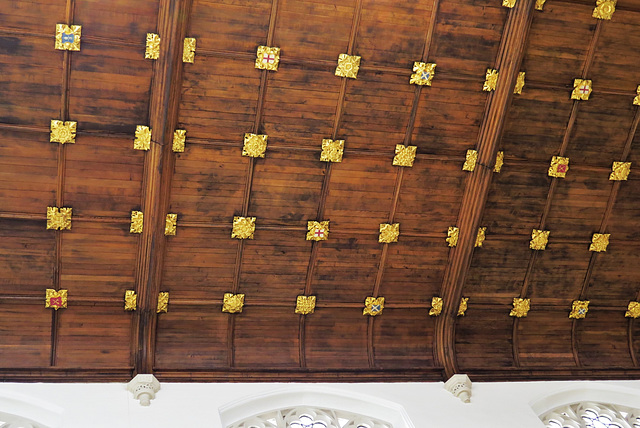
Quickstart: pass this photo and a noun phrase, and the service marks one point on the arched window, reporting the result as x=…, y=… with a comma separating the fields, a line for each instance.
x=304, y=406
x=592, y=415
x=310, y=417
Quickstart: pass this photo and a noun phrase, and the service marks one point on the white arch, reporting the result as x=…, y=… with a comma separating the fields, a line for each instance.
x=16, y=407
x=308, y=395
x=591, y=392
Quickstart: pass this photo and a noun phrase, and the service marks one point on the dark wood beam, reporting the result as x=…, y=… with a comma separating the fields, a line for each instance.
x=508, y=61
x=163, y=111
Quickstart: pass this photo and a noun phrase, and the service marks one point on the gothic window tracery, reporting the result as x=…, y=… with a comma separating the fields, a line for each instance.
x=310, y=417
x=592, y=415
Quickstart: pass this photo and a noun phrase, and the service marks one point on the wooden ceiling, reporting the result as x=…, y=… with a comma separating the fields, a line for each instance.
x=108, y=88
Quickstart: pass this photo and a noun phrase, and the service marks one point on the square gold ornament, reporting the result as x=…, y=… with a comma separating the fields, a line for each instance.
x=68, y=37
x=130, y=300
x=558, y=167
x=490, y=80
x=59, y=218
x=519, y=83
x=521, y=307
x=599, y=242
x=348, y=66
x=373, y=306
x=620, y=171
x=318, y=230
x=581, y=89
x=470, y=160
x=142, y=140
x=63, y=132
x=499, y=162
x=267, y=58
x=305, y=305
x=189, y=50
x=137, y=222
x=232, y=303
x=452, y=236
x=540, y=4
x=179, y=138
x=579, y=309
x=152, y=48
x=332, y=150
x=509, y=3
x=462, y=309
x=255, y=145
x=633, y=310
x=171, y=224
x=389, y=233
x=436, y=306
x=480, y=237
x=55, y=299
x=163, y=302
x=405, y=155
x=604, y=9
x=539, y=239
x=243, y=227
x=423, y=73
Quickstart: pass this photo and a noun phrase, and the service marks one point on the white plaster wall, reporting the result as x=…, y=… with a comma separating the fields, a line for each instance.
x=428, y=405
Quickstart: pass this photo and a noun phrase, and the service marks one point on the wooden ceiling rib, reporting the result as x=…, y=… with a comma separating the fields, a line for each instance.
x=109, y=88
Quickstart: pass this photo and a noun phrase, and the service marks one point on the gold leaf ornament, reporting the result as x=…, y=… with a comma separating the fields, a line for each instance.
x=63, y=132
x=633, y=310
x=599, y=242
x=348, y=66
x=540, y=4
x=405, y=155
x=389, y=233
x=490, y=79
x=189, y=50
x=453, y=233
x=636, y=100
x=332, y=150
x=436, y=306
x=604, y=9
x=509, y=3
x=152, y=48
x=137, y=222
x=267, y=58
x=559, y=167
x=519, y=83
x=171, y=224
x=305, y=305
x=163, y=302
x=462, y=309
x=179, y=138
x=620, y=171
x=55, y=299
x=521, y=307
x=142, y=140
x=579, y=309
x=480, y=237
x=539, y=239
x=255, y=145
x=499, y=162
x=232, y=303
x=470, y=160
x=243, y=227
x=130, y=300
x=581, y=89
x=59, y=218
x=373, y=306
x=318, y=230
x=423, y=73
x=68, y=37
